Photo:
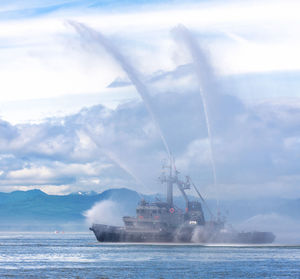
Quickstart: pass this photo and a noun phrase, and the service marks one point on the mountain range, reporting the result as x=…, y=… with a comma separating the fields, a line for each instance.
x=35, y=210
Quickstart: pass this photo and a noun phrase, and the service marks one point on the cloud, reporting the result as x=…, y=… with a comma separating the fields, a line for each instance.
x=255, y=144
x=55, y=173
x=41, y=53
x=256, y=133
x=256, y=147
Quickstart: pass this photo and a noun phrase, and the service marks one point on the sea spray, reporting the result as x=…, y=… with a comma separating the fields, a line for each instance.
x=205, y=78
x=286, y=229
x=105, y=212
x=90, y=35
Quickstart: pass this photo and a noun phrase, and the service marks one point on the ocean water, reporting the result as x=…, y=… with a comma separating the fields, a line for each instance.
x=77, y=255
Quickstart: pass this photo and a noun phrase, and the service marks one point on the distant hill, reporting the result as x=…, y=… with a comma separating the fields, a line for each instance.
x=35, y=210
x=38, y=211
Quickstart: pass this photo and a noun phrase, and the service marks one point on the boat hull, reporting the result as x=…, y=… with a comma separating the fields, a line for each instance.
x=198, y=234
x=105, y=233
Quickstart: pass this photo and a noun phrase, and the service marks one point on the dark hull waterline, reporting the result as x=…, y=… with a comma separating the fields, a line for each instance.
x=196, y=234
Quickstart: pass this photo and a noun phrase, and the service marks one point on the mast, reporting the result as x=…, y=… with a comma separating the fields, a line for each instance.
x=169, y=180
x=170, y=187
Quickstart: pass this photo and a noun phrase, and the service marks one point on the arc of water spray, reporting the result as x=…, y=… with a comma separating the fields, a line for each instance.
x=116, y=160
x=95, y=36
x=204, y=76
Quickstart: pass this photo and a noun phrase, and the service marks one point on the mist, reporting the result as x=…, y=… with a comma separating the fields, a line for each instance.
x=105, y=212
x=286, y=229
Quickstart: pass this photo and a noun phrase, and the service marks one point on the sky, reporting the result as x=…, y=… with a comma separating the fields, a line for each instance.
x=72, y=120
